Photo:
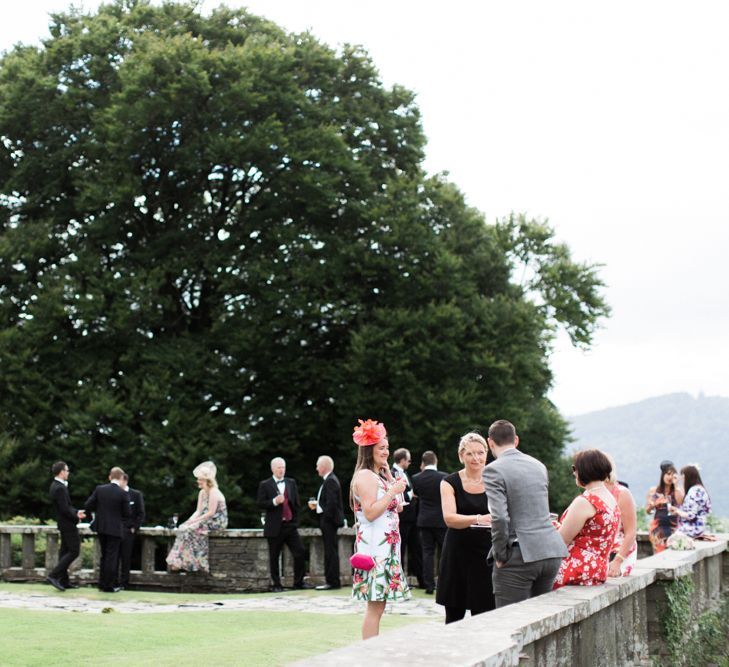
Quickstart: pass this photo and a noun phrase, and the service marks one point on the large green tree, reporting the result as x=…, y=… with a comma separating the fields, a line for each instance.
x=217, y=241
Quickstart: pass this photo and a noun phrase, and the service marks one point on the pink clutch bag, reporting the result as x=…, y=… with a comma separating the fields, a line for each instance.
x=362, y=562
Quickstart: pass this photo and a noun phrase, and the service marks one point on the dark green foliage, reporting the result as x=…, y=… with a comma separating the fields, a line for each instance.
x=216, y=241
x=693, y=641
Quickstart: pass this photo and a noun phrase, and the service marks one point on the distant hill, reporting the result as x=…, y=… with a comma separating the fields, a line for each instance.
x=677, y=427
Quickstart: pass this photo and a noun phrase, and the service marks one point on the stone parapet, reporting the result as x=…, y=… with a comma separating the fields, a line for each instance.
x=238, y=559
x=617, y=623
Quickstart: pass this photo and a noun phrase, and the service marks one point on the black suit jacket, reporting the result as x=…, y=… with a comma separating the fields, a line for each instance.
x=409, y=513
x=111, y=507
x=426, y=485
x=136, y=510
x=267, y=491
x=66, y=514
x=330, y=500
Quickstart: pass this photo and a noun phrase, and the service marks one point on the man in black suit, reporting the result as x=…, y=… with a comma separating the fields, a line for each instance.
x=131, y=527
x=110, y=503
x=66, y=519
x=426, y=485
x=279, y=497
x=330, y=510
x=409, y=536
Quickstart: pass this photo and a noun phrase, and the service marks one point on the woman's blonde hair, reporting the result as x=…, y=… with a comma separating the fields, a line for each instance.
x=207, y=470
x=469, y=438
x=613, y=476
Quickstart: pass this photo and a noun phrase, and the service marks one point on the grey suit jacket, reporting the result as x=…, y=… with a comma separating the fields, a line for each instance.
x=516, y=486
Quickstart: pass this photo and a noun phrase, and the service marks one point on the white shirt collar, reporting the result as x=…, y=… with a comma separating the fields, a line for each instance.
x=324, y=479
x=63, y=481
x=431, y=467
x=117, y=482
x=279, y=481
x=397, y=467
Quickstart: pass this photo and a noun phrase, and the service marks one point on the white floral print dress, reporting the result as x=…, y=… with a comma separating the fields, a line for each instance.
x=381, y=540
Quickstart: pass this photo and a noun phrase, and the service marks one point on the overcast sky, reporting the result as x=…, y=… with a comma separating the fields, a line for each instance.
x=610, y=119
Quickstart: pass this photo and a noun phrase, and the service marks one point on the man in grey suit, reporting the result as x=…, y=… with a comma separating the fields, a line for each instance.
x=526, y=548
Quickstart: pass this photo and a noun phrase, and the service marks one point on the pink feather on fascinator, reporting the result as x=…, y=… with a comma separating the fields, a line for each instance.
x=368, y=433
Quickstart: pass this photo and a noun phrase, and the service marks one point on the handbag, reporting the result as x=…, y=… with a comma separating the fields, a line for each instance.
x=360, y=561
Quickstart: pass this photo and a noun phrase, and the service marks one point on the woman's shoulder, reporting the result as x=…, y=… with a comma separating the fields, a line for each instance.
x=366, y=476
x=453, y=480
x=601, y=501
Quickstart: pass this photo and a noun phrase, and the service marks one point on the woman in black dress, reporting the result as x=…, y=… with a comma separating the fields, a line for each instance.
x=464, y=580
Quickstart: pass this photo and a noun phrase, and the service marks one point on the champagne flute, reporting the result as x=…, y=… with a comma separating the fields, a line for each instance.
x=401, y=496
x=175, y=519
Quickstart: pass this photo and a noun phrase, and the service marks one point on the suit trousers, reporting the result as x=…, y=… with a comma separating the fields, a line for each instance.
x=70, y=549
x=516, y=580
x=109, y=566
x=429, y=538
x=331, y=552
x=125, y=557
x=288, y=535
x=411, y=552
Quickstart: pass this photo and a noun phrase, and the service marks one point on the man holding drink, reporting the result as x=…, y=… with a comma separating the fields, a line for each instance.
x=329, y=507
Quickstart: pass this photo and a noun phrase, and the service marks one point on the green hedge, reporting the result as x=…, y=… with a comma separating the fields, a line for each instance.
x=16, y=543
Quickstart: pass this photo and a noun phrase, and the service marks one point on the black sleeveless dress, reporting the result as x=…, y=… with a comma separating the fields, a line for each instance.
x=464, y=579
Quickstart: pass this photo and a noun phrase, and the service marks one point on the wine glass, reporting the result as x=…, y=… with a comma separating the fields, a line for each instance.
x=400, y=496
x=175, y=519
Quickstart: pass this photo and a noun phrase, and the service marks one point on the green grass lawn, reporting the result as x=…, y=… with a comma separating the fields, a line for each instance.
x=246, y=638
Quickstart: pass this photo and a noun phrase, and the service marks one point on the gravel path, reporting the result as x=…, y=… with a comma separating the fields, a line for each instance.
x=322, y=604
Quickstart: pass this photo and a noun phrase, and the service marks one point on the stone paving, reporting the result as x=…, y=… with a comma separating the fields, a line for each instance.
x=315, y=604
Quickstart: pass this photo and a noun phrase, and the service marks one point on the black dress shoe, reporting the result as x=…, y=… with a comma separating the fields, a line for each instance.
x=69, y=585
x=429, y=591
x=327, y=587
x=116, y=589
x=303, y=587
x=276, y=589
x=55, y=583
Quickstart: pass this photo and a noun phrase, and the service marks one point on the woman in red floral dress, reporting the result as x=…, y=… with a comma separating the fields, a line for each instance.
x=589, y=524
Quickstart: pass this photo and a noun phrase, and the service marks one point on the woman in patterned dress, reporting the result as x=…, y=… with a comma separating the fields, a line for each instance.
x=696, y=504
x=661, y=500
x=624, y=554
x=589, y=524
x=190, y=550
x=373, y=498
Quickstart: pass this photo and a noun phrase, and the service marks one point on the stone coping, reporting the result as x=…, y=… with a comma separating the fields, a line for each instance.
x=496, y=638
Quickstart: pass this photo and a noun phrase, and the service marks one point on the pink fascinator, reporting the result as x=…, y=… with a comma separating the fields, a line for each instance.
x=368, y=433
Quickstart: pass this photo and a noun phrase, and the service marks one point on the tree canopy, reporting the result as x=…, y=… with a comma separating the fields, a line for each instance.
x=217, y=241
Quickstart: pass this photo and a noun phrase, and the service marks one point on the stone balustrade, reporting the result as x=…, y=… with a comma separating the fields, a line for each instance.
x=238, y=559
x=618, y=623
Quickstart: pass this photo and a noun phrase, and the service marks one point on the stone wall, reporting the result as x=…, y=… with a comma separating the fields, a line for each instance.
x=238, y=559
x=617, y=623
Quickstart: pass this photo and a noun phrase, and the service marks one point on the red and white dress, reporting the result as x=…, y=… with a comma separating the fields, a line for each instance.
x=587, y=561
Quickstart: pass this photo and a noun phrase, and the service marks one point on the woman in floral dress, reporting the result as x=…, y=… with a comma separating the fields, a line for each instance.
x=190, y=550
x=696, y=505
x=374, y=499
x=624, y=554
x=589, y=524
x=661, y=501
